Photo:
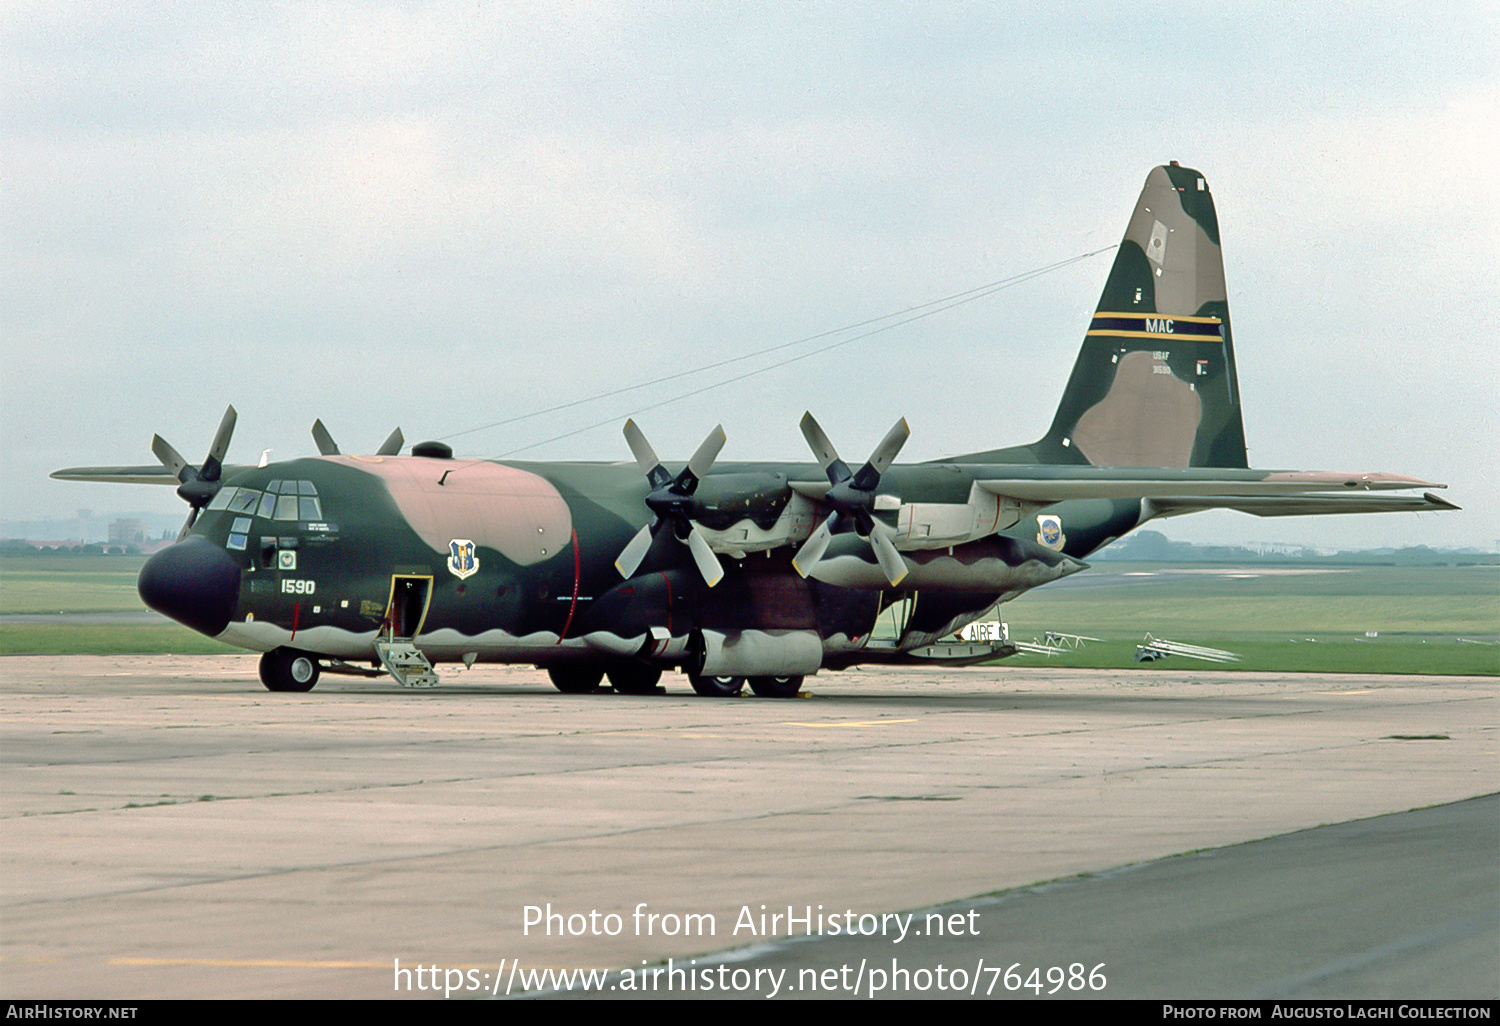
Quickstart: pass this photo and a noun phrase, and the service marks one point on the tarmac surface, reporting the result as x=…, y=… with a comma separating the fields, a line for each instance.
x=172, y=830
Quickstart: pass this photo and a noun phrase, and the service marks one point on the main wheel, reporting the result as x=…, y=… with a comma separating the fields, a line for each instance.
x=776, y=687
x=575, y=680
x=634, y=678
x=716, y=687
x=286, y=669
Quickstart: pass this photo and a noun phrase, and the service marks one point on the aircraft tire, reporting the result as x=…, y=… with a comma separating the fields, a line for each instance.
x=634, y=678
x=716, y=687
x=776, y=687
x=575, y=680
x=286, y=669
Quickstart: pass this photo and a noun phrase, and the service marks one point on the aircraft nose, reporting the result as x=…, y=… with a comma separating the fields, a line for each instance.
x=194, y=582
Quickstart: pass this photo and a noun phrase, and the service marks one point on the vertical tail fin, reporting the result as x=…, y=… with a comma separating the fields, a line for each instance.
x=1155, y=383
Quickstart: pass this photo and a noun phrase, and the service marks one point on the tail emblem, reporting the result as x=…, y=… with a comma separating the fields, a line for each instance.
x=1050, y=532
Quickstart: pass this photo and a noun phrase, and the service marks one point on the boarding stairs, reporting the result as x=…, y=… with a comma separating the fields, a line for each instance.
x=406, y=663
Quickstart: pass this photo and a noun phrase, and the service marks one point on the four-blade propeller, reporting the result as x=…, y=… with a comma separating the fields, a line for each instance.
x=198, y=484
x=853, y=499
x=671, y=499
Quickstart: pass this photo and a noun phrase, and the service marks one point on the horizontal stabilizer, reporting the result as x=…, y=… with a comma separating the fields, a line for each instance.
x=1112, y=483
x=1298, y=505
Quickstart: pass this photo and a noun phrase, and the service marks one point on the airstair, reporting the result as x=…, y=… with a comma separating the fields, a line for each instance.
x=406, y=663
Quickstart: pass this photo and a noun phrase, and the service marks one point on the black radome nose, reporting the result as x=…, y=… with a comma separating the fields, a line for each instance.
x=194, y=582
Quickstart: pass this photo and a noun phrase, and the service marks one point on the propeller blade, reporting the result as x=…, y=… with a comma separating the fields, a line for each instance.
x=392, y=445
x=708, y=563
x=221, y=440
x=170, y=457
x=635, y=551
x=886, y=555
x=192, y=518
x=703, y=459
x=885, y=453
x=812, y=550
x=645, y=456
x=822, y=448
x=326, y=445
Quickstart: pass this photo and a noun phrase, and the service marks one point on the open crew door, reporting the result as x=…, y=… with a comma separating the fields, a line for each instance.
x=405, y=612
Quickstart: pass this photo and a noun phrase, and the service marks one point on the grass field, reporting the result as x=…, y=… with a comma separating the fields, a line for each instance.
x=69, y=584
x=1287, y=618
x=1308, y=617
x=84, y=584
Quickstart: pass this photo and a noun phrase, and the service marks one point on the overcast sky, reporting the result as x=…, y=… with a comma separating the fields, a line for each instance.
x=442, y=216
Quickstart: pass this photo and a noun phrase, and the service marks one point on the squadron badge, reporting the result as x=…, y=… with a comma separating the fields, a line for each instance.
x=1050, y=532
x=462, y=560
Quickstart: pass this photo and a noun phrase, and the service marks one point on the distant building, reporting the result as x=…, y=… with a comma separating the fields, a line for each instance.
x=127, y=531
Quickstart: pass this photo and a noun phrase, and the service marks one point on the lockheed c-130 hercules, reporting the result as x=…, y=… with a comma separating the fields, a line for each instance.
x=749, y=573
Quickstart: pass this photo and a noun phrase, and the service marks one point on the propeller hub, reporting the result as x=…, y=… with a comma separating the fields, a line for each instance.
x=197, y=492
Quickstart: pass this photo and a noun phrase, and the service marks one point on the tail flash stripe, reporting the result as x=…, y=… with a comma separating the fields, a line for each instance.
x=1155, y=325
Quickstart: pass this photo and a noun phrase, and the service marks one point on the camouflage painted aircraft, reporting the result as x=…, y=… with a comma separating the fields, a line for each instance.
x=750, y=573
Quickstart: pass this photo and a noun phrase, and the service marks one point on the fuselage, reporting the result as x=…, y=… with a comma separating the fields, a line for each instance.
x=515, y=562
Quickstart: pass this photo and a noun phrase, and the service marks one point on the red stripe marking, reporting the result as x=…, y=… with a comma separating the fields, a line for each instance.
x=577, y=569
x=296, y=614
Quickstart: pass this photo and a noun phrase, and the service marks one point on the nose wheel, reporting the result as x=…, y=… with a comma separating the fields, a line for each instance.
x=286, y=669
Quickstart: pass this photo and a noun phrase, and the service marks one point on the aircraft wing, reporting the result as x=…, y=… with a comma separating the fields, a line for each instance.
x=157, y=474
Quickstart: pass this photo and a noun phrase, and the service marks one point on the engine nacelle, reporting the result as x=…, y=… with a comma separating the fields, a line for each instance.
x=754, y=653
x=1000, y=565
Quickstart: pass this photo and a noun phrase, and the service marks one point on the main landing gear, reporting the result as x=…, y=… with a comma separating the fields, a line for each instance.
x=286, y=669
x=716, y=687
x=642, y=679
x=776, y=687
x=625, y=678
x=575, y=680
x=728, y=687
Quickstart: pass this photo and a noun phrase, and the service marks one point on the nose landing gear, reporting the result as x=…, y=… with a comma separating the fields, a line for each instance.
x=286, y=669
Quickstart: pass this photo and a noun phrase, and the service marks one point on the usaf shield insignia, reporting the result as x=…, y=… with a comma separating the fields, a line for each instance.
x=462, y=560
x=1050, y=532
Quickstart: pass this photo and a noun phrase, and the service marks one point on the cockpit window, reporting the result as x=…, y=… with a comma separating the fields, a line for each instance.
x=282, y=500
x=245, y=500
